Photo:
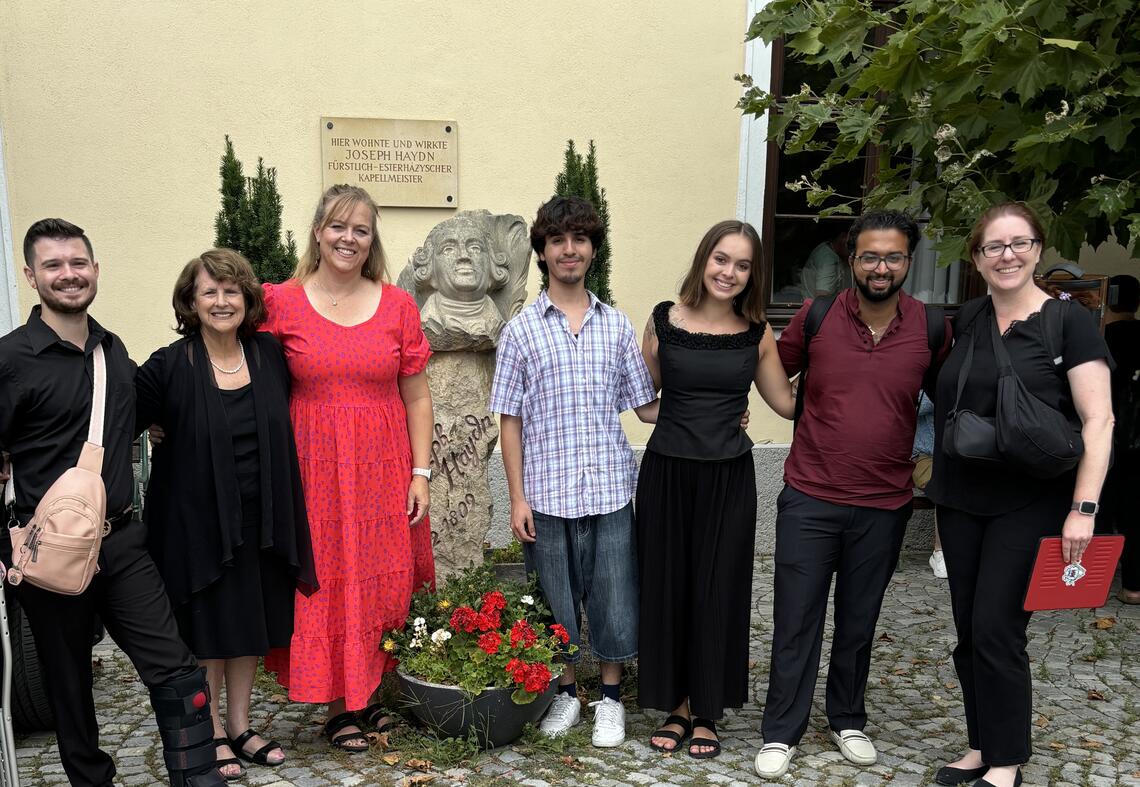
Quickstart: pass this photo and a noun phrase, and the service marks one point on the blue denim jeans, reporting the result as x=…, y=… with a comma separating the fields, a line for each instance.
x=590, y=561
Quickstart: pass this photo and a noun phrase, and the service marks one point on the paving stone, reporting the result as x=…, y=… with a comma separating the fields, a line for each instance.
x=913, y=702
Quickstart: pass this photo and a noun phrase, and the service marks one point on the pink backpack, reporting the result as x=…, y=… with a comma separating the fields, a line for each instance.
x=58, y=550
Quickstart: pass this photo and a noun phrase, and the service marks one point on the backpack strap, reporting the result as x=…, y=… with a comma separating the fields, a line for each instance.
x=812, y=321
x=967, y=313
x=935, y=338
x=1053, y=331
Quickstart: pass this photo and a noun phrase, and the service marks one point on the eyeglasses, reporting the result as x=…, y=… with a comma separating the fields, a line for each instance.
x=1019, y=246
x=869, y=262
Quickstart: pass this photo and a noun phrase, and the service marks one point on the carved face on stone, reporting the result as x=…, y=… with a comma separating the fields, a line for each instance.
x=461, y=261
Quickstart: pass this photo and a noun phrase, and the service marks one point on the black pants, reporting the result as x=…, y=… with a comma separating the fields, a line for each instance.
x=1120, y=512
x=989, y=560
x=815, y=539
x=128, y=594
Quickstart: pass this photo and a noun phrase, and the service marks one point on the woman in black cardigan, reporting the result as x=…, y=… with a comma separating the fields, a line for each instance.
x=224, y=508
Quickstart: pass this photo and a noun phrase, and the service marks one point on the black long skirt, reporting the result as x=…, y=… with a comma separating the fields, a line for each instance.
x=696, y=530
x=248, y=610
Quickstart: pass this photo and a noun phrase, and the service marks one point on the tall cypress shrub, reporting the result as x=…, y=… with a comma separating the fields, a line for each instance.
x=250, y=219
x=579, y=178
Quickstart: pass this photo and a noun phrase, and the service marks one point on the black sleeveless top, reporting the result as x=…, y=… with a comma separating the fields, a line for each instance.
x=242, y=422
x=704, y=389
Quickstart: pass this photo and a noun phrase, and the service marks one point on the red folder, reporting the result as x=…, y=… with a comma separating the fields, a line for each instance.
x=1055, y=584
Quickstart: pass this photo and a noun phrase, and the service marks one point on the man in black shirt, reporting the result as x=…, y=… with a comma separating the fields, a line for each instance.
x=46, y=370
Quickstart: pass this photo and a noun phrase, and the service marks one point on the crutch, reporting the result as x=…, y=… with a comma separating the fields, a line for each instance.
x=9, y=773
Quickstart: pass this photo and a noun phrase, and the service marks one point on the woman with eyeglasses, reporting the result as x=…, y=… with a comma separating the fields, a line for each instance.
x=991, y=515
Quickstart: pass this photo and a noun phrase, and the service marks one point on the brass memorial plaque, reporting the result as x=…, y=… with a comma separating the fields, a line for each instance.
x=401, y=163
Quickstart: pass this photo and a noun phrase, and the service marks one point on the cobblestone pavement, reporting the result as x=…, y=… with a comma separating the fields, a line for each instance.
x=1086, y=709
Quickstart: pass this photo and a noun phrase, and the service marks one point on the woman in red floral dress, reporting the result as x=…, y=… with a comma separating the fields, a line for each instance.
x=362, y=415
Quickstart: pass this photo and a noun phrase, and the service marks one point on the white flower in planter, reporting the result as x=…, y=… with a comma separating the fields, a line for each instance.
x=528, y=600
x=440, y=636
x=416, y=642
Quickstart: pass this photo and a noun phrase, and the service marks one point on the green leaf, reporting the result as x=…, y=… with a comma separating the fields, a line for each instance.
x=951, y=247
x=1030, y=78
x=1067, y=43
x=521, y=696
x=1131, y=240
x=1066, y=234
x=1115, y=132
x=1047, y=13
x=807, y=42
x=1107, y=200
x=980, y=26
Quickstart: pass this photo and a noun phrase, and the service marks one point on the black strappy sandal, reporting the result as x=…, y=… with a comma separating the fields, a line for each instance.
x=222, y=762
x=338, y=723
x=712, y=743
x=376, y=712
x=686, y=730
x=259, y=757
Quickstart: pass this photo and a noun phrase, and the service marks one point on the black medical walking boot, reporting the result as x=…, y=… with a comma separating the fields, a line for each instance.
x=182, y=710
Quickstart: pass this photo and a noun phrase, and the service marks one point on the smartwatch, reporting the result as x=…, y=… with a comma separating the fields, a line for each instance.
x=1086, y=507
x=424, y=471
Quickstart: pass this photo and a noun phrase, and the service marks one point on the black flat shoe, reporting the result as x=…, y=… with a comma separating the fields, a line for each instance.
x=984, y=783
x=952, y=776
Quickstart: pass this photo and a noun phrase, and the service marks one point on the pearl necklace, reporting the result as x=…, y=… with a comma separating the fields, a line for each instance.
x=237, y=368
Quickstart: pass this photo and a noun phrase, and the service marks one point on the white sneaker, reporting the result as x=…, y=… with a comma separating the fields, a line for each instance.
x=609, y=723
x=938, y=564
x=563, y=714
x=773, y=759
x=855, y=746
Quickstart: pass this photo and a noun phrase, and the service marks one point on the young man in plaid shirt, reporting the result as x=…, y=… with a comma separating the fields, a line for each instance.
x=567, y=366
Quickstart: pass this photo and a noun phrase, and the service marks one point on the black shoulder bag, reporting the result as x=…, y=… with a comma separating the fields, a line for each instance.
x=1025, y=432
x=967, y=435
x=1037, y=438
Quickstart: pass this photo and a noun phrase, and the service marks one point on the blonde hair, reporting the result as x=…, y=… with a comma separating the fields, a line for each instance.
x=337, y=203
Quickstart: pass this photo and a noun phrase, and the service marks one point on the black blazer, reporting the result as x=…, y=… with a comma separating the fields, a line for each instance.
x=193, y=505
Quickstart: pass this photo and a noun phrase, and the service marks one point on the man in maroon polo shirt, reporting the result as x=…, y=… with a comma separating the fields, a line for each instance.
x=847, y=488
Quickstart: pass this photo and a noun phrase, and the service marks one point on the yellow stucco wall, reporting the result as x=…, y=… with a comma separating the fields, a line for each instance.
x=114, y=115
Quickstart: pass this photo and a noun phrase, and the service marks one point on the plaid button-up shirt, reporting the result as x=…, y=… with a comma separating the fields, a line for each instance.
x=569, y=392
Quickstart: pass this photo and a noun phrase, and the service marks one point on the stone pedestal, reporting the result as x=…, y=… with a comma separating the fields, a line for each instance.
x=463, y=437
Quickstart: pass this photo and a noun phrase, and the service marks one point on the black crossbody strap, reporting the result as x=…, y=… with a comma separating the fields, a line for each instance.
x=963, y=373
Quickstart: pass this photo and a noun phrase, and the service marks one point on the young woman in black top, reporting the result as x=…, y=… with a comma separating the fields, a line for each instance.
x=696, y=491
x=991, y=515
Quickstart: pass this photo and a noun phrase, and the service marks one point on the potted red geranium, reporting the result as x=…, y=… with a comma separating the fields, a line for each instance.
x=478, y=656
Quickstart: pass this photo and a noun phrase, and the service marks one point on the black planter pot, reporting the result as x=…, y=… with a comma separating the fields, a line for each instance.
x=449, y=712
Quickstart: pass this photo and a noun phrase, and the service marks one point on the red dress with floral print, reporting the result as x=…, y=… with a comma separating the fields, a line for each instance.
x=352, y=444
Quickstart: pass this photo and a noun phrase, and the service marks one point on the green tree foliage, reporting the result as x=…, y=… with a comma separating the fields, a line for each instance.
x=579, y=178
x=250, y=219
x=970, y=102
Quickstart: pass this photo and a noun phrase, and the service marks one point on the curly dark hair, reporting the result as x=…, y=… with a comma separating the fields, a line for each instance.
x=223, y=265
x=562, y=215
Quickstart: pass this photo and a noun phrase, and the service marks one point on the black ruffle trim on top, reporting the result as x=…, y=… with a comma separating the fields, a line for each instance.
x=668, y=332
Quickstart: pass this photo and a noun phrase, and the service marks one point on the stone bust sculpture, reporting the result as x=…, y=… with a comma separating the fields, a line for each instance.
x=467, y=277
